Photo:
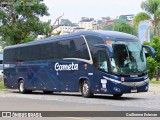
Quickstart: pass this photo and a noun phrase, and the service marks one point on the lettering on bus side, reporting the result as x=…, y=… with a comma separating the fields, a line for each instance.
x=59, y=67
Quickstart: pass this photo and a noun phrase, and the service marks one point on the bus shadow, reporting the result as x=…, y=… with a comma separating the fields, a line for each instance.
x=110, y=97
x=98, y=96
x=54, y=93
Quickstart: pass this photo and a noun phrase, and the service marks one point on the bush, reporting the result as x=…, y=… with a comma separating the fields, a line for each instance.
x=152, y=65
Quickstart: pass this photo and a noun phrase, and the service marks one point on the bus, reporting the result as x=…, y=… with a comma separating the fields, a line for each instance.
x=90, y=62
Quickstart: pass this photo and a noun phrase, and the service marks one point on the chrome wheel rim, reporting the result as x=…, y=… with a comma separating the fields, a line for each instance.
x=85, y=88
x=21, y=86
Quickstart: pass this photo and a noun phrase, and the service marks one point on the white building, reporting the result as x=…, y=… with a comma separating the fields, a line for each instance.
x=64, y=29
x=88, y=23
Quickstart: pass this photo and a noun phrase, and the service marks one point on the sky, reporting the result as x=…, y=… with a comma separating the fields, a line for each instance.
x=75, y=9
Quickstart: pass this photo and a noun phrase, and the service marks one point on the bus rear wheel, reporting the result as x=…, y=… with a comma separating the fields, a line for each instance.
x=117, y=95
x=22, y=89
x=86, y=90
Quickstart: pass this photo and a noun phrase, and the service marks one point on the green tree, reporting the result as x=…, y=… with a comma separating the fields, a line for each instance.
x=124, y=17
x=21, y=23
x=140, y=17
x=66, y=22
x=116, y=21
x=99, y=22
x=154, y=64
x=124, y=27
x=107, y=27
x=152, y=8
x=158, y=27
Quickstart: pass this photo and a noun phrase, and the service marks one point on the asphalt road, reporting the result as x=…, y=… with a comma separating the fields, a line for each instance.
x=12, y=100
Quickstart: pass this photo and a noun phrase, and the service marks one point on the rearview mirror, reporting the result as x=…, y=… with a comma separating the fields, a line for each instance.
x=150, y=49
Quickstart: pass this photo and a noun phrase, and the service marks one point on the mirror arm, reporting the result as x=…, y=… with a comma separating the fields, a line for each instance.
x=151, y=49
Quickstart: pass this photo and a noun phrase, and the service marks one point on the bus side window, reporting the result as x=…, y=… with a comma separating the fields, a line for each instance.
x=72, y=49
x=102, y=61
x=81, y=49
x=92, y=40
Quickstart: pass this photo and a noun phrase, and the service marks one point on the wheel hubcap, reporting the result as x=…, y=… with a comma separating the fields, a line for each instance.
x=85, y=88
x=21, y=86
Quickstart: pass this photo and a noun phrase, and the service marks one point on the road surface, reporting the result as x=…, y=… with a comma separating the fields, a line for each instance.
x=12, y=100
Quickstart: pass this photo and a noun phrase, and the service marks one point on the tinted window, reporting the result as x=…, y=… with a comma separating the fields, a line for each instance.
x=10, y=55
x=47, y=51
x=102, y=61
x=72, y=48
x=92, y=40
x=81, y=50
x=61, y=49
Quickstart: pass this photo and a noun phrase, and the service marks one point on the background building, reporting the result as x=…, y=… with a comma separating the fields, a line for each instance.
x=128, y=18
x=107, y=21
x=144, y=30
x=64, y=29
x=88, y=23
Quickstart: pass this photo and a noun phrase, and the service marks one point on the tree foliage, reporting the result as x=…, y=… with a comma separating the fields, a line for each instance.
x=124, y=17
x=155, y=43
x=140, y=17
x=120, y=20
x=99, y=22
x=21, y=22
x=107, y=27
x=152, y=8
x=124, y=27
x=154, y=64
x=66, y=22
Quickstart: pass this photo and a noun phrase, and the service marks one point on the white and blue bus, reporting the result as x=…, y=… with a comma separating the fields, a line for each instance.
x=92, y=62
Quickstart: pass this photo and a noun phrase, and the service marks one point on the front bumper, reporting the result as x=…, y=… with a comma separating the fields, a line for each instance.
x=118, y=87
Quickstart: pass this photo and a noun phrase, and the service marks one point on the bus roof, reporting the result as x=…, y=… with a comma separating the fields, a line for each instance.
x=112, y=35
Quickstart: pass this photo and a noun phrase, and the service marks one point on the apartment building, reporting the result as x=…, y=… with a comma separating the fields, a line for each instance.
x=88, y=23
x=64, y=29
x=129, y=18
x=107, y=21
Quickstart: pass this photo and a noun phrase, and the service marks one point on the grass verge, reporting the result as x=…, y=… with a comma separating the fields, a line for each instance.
x=154, y=82
x=1, y=85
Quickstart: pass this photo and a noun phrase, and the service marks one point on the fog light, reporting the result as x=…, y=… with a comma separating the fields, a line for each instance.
x=117, y=89
x=146, y=88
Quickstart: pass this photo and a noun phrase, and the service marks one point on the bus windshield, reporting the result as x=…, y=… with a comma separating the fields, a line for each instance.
x=129, y=58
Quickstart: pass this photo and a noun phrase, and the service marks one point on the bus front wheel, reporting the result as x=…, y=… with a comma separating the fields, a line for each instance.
x=86, y=90
x=21, y=88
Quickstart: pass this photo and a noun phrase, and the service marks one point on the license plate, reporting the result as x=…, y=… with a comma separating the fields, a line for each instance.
x=134, y=91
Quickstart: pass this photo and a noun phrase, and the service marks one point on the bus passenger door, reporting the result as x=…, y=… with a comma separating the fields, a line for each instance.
x=101, y=62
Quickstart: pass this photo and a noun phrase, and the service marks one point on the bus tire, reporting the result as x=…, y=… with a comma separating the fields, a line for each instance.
x=86, y=89
x=47, y=92
x=21, y=87
x=117, y=95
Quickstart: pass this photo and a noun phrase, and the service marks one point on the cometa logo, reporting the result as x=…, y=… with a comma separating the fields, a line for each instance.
x=64, y=67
